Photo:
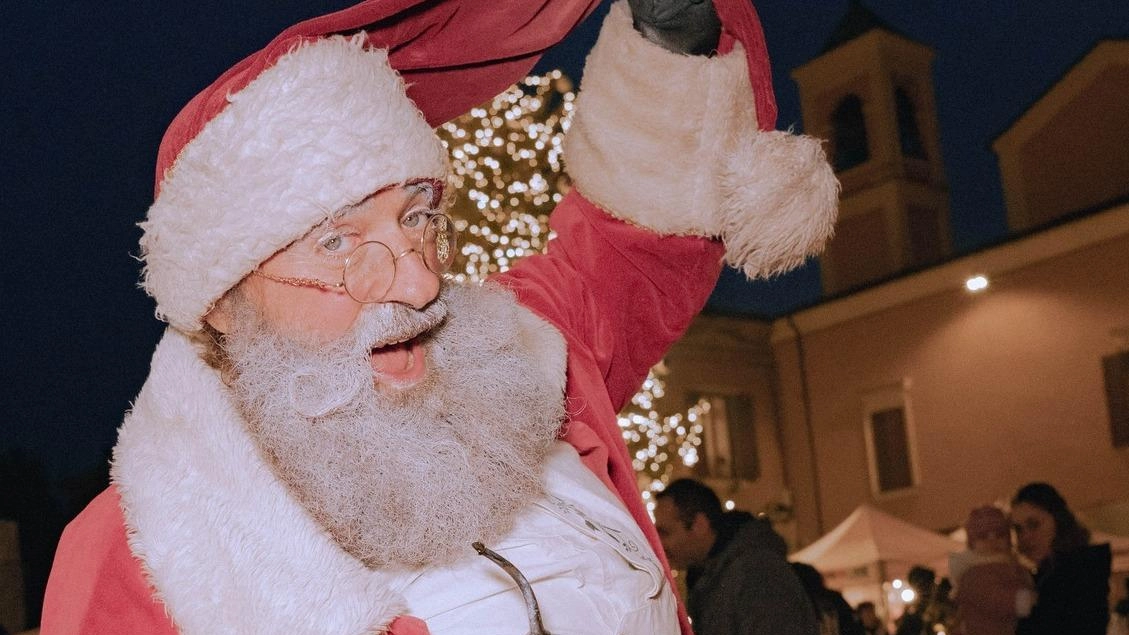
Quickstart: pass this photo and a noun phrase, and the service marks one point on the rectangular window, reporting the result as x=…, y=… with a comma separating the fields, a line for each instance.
x=1116, y=370
x=891, y=449
x=888, y=429
x=729, y=440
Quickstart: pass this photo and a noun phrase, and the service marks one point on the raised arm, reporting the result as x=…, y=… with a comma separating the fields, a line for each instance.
x=667, y=156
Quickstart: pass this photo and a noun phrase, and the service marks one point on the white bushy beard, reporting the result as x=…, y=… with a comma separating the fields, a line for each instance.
x=409, y=478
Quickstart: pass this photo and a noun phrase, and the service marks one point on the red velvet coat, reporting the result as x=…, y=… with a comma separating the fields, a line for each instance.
x=616, y=327
x=633, y=262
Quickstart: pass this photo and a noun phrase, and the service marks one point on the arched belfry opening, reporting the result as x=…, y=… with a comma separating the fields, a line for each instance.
x=849, y=141
x=870, y=95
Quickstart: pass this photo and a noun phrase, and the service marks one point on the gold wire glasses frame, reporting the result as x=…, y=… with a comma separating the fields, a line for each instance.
x=370, y=268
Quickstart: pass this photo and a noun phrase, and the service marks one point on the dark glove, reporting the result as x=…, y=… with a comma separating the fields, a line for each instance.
x=690, y=27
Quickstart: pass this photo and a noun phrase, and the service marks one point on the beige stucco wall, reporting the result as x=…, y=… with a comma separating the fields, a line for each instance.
x=1004, y=387
x=1070, y=151
x=731, y=356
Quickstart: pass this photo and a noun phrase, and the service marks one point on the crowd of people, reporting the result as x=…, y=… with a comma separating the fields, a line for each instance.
x=1051, y=581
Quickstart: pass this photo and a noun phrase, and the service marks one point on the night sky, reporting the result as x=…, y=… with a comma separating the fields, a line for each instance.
x=91, y=86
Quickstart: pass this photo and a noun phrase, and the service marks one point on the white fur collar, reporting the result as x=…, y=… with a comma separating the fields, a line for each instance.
x=223, y=542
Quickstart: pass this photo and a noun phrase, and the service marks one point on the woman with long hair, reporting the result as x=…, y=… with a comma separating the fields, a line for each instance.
x=1071, y=576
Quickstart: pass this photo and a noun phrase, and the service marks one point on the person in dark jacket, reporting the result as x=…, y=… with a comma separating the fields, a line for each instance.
x=835, y=615
x=738, y=578
x=1071, y=576
x=867, y=616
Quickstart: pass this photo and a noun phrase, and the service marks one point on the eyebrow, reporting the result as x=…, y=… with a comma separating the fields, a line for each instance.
x=420, y=187
x=412, y=189
x=432, y=187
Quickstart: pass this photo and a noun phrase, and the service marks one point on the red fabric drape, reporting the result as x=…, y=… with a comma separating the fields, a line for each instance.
x=454, y=54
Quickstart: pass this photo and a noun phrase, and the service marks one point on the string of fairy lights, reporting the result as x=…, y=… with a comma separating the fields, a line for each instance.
x=507, y=176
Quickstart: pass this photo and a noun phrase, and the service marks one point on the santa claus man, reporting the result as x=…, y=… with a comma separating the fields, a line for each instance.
x=332, y=434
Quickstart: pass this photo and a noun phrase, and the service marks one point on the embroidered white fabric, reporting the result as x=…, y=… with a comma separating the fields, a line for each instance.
x=588, y=563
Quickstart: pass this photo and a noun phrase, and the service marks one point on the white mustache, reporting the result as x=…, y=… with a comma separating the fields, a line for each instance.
x=313, y=393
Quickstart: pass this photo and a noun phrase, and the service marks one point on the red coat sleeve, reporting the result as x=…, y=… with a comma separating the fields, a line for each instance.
x=621, y=292
x=620, y=295
x=96, y=586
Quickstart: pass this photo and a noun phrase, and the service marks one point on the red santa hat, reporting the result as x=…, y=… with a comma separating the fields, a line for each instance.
x=337, y=107
x=332, y=110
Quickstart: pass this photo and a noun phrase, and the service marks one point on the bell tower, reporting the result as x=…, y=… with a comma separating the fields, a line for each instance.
x=870, y=94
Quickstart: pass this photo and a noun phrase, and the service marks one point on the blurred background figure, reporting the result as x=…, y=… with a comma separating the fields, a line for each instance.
x=992, y=590
x=1071, y=576
x=834, y=614
x=931, y=606
x=912, y=620
x=737, y=576
x=867, y=616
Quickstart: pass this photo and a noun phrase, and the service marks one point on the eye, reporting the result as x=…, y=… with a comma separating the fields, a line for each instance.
x=332, y=243
x=337, y=242
x=417, y=217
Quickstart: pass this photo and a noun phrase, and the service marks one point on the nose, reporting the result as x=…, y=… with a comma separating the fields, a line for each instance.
x=414, y=284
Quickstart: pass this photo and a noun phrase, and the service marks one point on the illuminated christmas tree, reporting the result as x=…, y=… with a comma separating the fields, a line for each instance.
x=506, y=164
x=656, y=441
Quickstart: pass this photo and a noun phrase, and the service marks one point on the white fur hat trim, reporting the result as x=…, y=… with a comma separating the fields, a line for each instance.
x=324, y=127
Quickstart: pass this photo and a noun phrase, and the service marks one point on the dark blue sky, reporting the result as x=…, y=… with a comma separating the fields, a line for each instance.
x=993, y=60
x=91, y=86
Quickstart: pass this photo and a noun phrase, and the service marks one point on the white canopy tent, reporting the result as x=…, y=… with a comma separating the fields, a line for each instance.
x=871, y=549
x=870, y=536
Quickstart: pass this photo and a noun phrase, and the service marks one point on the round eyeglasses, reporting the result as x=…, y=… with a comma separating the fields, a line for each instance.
x=371, y=267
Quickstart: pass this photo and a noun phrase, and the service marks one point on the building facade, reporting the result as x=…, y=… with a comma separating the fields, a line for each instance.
x=907, y=389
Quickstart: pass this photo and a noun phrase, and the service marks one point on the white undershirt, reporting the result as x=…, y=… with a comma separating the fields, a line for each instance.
x=588, y=563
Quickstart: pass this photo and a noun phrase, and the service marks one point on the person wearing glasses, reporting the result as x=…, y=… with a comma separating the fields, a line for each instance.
x=334, y=437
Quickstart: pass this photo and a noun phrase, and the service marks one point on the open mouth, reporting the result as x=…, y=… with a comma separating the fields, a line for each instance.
x=399, y=365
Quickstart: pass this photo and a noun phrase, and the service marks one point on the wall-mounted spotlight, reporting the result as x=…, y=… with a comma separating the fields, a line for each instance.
x=976, y=284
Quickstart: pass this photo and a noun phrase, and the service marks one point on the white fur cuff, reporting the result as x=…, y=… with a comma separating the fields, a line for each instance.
x=671, y=142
